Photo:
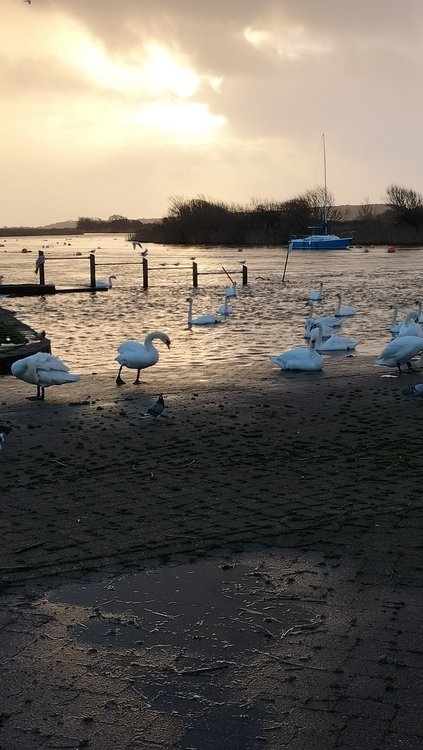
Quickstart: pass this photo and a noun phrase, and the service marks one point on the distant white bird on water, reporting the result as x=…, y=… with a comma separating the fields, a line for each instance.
x=231, y=291
x=105, y=284
x=400, y=351
x=317, y=296
x=42, y=370
x=344, y=311
x=300, y=358
x=155, y=410
x=334, y=343
x=225, y=309
x=328, y=320
x=201, y=320
x=138, y=356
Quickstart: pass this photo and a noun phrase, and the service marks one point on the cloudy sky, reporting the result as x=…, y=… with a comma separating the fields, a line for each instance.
x=114, y=106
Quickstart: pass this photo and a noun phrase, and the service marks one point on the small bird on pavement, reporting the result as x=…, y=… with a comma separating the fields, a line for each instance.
x=155, y=410
x=414, y=390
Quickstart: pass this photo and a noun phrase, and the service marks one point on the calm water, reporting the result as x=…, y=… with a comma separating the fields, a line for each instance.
x=268, y=317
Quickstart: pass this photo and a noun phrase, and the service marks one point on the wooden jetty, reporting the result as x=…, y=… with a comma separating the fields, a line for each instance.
x=39, y=290
x=32, y=344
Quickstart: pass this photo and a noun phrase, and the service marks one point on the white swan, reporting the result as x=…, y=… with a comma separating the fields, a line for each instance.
x=409, y=327
x=400, y=351
x=105, y=284
x=327, y=320
x=419, y=314
x=43, y=370
x=231, y=291
x=137, y=356
x=202, y=320
x=310, y=324
x=317, y=296
x=225, y=309
x=300, y=358
x=344, y=311
x=395, y=326
x=334, y=343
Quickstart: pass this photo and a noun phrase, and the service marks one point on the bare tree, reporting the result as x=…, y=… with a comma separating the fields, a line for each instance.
x=406, y=204
x=366, y=212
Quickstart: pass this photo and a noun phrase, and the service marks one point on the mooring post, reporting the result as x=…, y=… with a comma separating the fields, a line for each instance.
x=244, y=274
x=39, y=266
x=194, y=274
x=92, y=270
x=145, y=273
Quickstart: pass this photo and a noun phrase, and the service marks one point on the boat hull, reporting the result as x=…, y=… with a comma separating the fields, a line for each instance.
x=320, y=242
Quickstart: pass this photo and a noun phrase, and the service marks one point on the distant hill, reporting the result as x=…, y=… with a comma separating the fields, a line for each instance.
x=72, y=223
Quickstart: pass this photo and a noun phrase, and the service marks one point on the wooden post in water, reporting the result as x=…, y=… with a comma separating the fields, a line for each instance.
x=39, y=266
x=144, y=273
x=194, y=274
x=92, y=270
x=244, y=274
x=286, y=263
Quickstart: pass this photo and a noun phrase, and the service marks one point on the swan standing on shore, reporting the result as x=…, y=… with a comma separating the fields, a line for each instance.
x=344, y=311
x=400, y=351
x=300, y=358
x=317, y=296
x=137, y=356
x=43, y=370
x=202, y=320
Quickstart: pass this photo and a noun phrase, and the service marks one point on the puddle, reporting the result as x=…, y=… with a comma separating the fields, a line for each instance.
x=216, y=607
x=184, y=638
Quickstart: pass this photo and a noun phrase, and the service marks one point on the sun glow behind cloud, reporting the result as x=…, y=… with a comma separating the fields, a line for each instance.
x=147, y=89
x=292, y=43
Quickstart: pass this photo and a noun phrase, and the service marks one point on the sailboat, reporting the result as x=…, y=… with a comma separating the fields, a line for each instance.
x=323, y=241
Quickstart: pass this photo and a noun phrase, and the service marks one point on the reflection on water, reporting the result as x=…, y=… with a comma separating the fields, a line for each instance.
x=268, y=316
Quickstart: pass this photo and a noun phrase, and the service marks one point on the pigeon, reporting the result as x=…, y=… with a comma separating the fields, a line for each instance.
x=155, y=410
x=144, y=253
x=4, y=431
x=414, y=390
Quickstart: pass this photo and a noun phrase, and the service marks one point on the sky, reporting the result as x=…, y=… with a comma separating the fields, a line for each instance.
x=119, y=106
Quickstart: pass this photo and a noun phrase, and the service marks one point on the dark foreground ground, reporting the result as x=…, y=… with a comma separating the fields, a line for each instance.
x=244, y=573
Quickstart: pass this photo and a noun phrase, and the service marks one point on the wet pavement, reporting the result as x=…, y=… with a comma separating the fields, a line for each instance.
x=274, y=649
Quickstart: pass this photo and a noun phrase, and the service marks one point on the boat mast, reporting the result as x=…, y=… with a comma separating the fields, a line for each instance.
x=325, y=193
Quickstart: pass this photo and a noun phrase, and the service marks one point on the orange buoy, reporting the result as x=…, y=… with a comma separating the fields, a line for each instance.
x=391, y=249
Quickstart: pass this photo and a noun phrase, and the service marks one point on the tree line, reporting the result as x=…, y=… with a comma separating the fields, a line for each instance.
x=203, y=221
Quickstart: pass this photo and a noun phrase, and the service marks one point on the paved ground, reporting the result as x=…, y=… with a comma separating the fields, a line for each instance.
x=285, y=608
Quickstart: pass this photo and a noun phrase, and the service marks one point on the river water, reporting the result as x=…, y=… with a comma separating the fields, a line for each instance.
x=268, y=316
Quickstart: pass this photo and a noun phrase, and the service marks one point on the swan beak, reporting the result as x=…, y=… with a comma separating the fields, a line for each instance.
x=168, y=344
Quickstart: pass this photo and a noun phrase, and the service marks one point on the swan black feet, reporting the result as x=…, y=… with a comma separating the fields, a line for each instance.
x=119, y=381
